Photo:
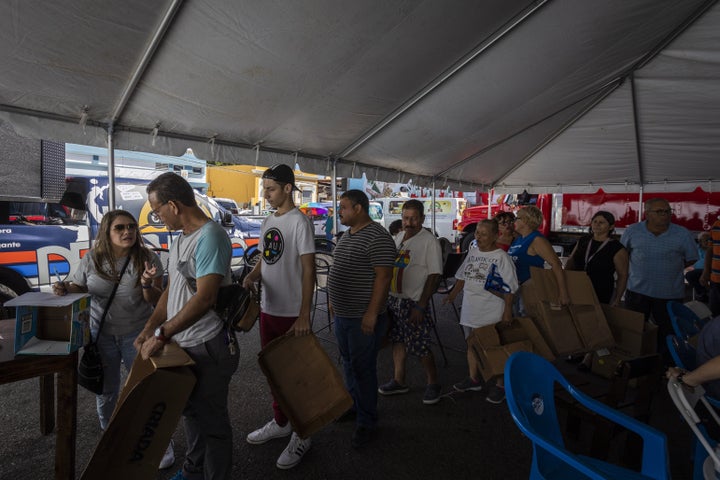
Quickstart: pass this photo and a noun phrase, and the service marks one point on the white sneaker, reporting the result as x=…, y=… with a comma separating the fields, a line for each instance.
x=294, y=452
x=269, y=431
x=168, y=457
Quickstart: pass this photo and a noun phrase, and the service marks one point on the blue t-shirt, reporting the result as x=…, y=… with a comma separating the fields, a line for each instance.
x=518, y=251
x=657, y=262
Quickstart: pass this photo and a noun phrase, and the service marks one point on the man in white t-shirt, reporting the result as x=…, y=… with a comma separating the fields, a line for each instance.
x=417, y=271
x=287, y=274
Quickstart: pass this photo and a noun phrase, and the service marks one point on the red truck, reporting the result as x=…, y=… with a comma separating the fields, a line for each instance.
x=568, y=215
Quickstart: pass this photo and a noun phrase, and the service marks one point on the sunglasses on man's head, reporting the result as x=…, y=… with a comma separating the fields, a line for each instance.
x=120, y=227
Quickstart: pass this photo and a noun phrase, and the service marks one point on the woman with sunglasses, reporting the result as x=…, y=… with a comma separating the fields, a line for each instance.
x=118, y=241
x=507, y=234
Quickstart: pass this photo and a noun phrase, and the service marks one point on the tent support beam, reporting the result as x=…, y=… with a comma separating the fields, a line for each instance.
x=445, y=76
x=636, y=130
x=145, y=59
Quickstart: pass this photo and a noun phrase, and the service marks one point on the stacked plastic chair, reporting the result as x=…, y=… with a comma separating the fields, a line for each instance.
x=530, y=389
x=706, y=466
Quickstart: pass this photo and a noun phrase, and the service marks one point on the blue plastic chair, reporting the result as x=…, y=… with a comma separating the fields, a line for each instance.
x=684, y=321
x=682, y=353
x=529, y=387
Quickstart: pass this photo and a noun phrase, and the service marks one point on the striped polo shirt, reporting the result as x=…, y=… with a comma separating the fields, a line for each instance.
x=352, y=273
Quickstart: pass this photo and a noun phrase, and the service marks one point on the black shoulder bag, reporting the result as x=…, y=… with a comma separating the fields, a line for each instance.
x=90, y=368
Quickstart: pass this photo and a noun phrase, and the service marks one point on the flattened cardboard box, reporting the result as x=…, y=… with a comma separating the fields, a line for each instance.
x=632, y=333
x=491, y=356
x=523, y=328
x=47, y=324
x=581, y=326
x=305, y=382
x=146, y=415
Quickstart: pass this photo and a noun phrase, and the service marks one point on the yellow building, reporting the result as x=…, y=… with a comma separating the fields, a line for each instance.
x=243, y=184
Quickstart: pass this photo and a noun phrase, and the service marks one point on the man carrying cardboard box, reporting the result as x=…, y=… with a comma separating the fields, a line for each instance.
x=287, y=273
x=199, y=264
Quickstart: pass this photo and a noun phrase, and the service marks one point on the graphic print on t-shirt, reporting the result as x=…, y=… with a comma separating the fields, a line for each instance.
x=401, y=262
x=477, y=270
x=273, y=246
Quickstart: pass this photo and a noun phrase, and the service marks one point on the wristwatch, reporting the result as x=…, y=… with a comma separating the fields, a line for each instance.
x=160, y=335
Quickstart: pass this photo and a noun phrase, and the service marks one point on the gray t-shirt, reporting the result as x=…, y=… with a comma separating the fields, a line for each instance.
x=205, y=251
x=128, y=311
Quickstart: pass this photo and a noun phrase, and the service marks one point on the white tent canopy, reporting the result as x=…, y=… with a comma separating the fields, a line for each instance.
x=554, y=95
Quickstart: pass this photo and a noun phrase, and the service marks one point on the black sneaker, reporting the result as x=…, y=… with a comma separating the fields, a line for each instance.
x=432, y=394
x=393, y=388
x=362, y=436
x=468, y=385
x=496, y=395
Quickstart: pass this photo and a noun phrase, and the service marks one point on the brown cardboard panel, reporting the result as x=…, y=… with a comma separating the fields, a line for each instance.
x=540, y=346
x=631, y=332
x=557, y=327
x=578, y=284
x=305, y=382
x=592, y=326
x=606, y=361
x=147, y=413
x=491, y=360
x=486, y=336
x=54, y=322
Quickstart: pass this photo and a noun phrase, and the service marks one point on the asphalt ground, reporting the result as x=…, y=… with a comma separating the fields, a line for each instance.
x=462, y=436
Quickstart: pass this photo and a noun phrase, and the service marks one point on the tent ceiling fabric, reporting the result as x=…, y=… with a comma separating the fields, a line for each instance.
x=538, y=95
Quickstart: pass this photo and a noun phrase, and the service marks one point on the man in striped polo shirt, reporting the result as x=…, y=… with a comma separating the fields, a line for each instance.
x=711, y=272
x=359, y=282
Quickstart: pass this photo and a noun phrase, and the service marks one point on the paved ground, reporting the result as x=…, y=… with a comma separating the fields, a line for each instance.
x=463, y=436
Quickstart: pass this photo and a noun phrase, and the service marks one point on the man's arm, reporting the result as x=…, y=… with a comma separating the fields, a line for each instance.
x=192, y=311
x=302, y=324
x=156, y=319
x=381, y=287
x=707, y=267
x=431, y=283
x=254, y=275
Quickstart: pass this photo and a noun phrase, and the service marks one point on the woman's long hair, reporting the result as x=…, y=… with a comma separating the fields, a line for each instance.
x=102, y=251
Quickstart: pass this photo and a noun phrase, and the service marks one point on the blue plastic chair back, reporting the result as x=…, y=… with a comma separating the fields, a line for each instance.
x=684, y=321
x=682, y=353
x=530, y=391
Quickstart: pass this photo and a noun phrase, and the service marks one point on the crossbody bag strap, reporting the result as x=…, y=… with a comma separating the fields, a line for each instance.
x=112, y=296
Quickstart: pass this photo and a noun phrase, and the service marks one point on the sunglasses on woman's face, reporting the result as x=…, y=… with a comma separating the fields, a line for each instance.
x=120, y=227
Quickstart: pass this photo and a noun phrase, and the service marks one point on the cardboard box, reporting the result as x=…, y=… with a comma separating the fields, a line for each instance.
x=491, y=356
x=145, y=417
x=47, y=324
x=523, y=328
x=606, y=361
x=580, y=326
x=632, y=333
x=305, y=382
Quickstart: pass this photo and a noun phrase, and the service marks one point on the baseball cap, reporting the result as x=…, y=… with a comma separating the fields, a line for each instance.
x=281, y=173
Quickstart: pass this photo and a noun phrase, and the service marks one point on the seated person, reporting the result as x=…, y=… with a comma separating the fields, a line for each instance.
x=708, y=357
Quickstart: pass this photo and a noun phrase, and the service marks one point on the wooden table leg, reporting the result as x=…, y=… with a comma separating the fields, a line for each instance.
x=66, y=421
x=47, y=404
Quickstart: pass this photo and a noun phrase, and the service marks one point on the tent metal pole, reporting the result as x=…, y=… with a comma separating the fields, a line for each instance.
x=333, y=189
x=442, y=78
x=432, y=207
x=111, y=167
x=636, y=130
x=145, y=59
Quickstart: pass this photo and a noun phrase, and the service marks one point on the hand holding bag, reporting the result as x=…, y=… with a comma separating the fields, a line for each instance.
x=90, y=368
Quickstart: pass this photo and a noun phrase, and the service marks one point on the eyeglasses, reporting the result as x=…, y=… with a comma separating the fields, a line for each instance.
x=505, y=222
x=157, y=210
x=668, y=211
x=121, y=227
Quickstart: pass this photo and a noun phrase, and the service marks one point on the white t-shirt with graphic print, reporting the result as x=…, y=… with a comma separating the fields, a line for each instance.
x=480, y=307
x=283, y=240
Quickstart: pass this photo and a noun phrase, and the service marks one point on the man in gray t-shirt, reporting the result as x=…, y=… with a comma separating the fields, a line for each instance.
x=199, y=264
